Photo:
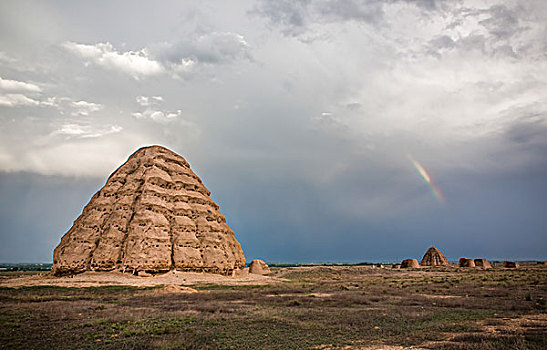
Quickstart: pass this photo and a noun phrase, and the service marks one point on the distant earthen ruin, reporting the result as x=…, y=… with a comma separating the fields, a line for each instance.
x=153, y=215
x=485, y=264
x=434, y=257
x=465, y=262
x=410, y=264
x=511, y=264
x=259, y=267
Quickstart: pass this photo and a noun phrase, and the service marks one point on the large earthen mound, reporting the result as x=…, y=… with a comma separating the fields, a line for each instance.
x=153, y=214
x=434, y=257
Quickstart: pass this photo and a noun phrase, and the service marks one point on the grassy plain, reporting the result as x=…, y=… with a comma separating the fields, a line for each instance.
x=313, y=308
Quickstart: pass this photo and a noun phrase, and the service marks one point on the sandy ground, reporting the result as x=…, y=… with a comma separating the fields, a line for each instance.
x=96, y=279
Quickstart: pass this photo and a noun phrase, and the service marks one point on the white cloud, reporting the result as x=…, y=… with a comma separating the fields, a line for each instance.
x=184, y=66
x=63, y=104
x=14, y=85
x=146, y=101
x=362, y=72
x=158, y=116
x=135, y=63
x=151, y=112
x=76, y=155
x=86, y=131
x=70, y=129
x=177, y=57
x=12, y=93
x=85, y=108
x=13, y=100
x=51, y=102
x=70, y=106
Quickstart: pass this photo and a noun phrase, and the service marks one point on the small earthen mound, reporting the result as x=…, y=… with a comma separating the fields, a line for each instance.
x=259, y=267
x=434, y=257
x=485, y=264
x=465, y=262
x=511, y=264
x=410, y=264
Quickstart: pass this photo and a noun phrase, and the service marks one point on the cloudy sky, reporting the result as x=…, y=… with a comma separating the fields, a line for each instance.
x=315, y=124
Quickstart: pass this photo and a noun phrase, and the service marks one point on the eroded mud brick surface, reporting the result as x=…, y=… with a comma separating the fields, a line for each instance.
x=153, y=214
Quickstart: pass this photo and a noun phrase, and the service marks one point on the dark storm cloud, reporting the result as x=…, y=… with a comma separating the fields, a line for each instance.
x=526, y=125
x=331, y=222
x=502, y=23
x=365, y=11
x=502, y=31
x=428, y=4
x=291, y=15
x=215, y=47
x=295, y=16
x=301, y=117
x=528, y=134
x=45, y=207
x=436, y=45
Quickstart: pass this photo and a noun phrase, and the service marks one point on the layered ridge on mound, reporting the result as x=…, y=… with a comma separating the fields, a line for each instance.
x=153, y=214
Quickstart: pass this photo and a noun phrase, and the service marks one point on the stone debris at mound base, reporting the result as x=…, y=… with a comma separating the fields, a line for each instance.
x=153, y=215
x=434, y=257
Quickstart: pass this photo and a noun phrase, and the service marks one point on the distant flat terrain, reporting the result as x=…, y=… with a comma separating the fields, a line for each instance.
x=320, y=307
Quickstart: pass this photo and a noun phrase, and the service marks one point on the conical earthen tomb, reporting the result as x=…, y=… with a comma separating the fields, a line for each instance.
x=153, y=214
x=434, y=257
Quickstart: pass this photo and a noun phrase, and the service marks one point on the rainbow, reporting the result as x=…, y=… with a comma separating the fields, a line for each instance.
x=428, y=180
